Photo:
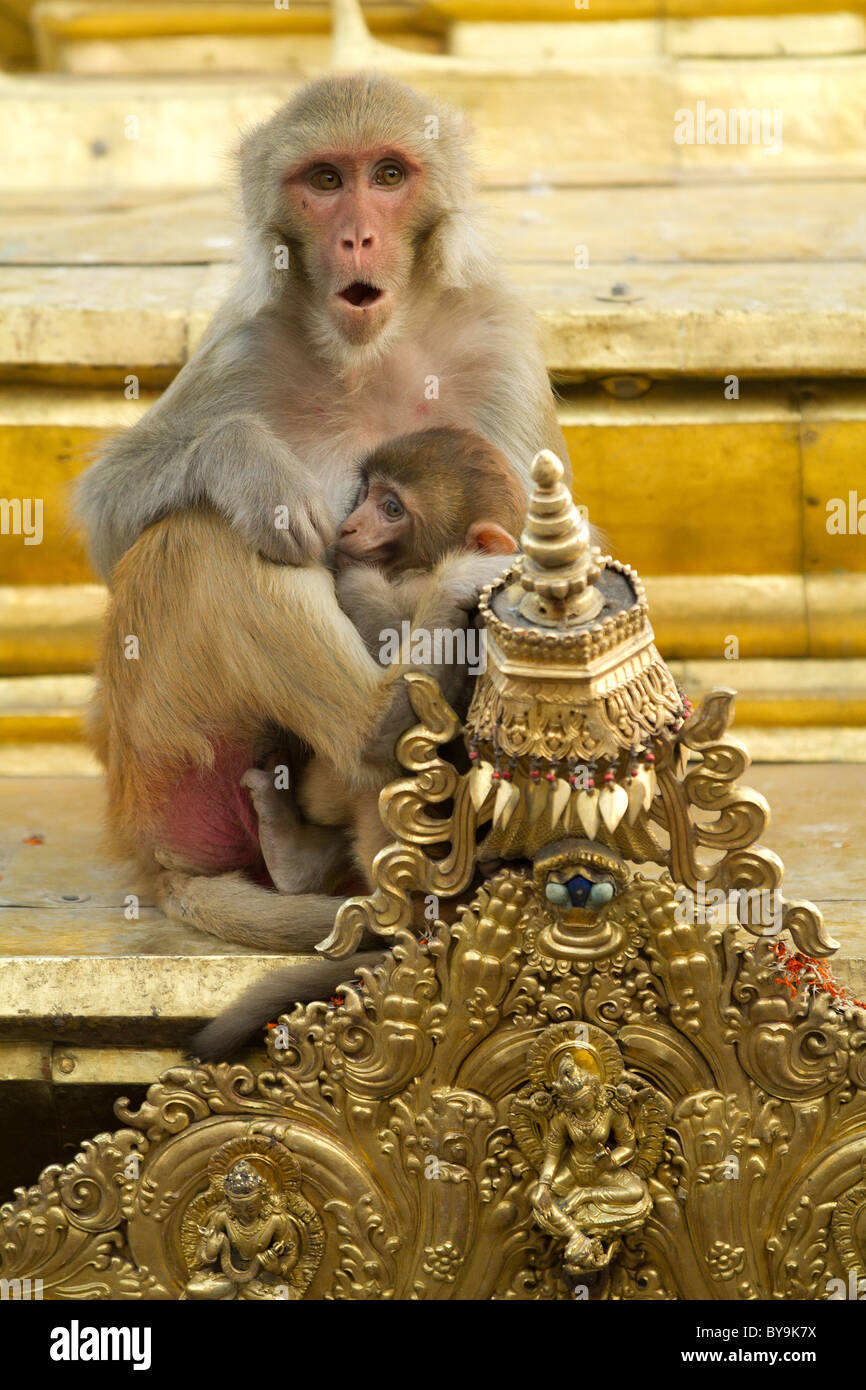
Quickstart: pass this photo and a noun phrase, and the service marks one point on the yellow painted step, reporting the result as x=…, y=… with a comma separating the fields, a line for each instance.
x=784, y=693
x=681, y=480
x=684, y=481
x=16, y=43
x=46, y=440
x=45, y=629
x=42, y=709
x=92, y=19
x=595, y=11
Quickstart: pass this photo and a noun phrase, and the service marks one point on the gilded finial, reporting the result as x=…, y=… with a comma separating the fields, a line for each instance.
x=560, y=569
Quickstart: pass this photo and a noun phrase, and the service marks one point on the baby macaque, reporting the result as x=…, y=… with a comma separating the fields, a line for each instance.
x=440, y=502
x=429, y=504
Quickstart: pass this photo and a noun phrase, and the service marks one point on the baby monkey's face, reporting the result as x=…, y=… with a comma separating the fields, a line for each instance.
x=379, y=530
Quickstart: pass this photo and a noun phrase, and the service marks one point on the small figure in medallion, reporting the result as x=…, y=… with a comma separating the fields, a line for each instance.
x=251, y=1235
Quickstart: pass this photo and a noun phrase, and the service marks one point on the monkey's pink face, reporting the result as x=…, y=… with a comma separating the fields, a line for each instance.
x=379, y=530
x=354, y=212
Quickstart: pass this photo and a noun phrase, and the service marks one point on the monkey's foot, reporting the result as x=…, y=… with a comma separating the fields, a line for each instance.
x=272, y=806
x=171, y=890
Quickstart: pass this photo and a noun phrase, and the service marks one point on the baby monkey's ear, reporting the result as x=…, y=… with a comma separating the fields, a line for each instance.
x=490, y=538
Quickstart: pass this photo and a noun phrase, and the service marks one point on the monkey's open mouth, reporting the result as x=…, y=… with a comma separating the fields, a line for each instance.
x=360, y=295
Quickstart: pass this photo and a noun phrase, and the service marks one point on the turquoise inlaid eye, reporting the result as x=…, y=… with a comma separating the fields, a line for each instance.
x=557, y=893
x=599, y=894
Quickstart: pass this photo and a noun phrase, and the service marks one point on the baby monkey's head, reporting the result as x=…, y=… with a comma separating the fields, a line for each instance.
x=429, y=493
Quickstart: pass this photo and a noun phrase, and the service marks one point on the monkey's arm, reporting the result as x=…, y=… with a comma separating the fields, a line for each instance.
x=446, y=605
x=262, y=645
x=376, y=604
x=206, y=442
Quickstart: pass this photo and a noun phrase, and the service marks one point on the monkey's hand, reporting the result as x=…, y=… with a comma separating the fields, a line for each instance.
x=256, y=481
x=447, y=603
x=285, y=520
x=377, y=604
x=455, y=587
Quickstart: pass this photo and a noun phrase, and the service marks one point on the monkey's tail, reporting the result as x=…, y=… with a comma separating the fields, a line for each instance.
x=316, y=978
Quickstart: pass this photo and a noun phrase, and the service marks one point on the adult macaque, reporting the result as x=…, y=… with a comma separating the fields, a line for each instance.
x=366, y=307
x=429, y=504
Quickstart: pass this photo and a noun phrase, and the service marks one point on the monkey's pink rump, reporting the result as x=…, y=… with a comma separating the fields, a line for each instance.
x=211, y=823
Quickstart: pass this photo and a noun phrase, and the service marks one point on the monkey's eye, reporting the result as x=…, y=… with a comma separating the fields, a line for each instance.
x=325, y=180
x=392, y=508
x=389, y=175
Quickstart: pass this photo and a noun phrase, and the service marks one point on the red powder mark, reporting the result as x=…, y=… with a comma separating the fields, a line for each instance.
x=33, y=840
x=422, y=409
x=800, y=971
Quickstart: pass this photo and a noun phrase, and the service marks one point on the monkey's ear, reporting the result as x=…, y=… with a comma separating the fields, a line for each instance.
x=492, y=539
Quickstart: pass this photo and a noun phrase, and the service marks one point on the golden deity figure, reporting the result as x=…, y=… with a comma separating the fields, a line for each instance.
x=259, y=1239
x=577, y=1102
x=246, y=1242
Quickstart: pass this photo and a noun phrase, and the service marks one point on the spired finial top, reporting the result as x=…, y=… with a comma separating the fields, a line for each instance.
x=560, y=568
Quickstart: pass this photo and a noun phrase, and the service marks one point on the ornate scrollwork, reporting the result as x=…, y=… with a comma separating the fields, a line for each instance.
x=455, y=1076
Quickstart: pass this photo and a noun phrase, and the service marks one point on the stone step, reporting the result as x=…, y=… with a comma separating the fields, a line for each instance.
x=75, y=964
x=600, y=11
x=598, y=120
x=746, y=318
x=104, y=38
x=690, y=222
x=701, y=36
x=755, y=278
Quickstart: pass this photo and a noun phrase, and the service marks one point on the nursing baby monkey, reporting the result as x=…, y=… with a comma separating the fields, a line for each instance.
x=429, y=505
x=439, y=502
